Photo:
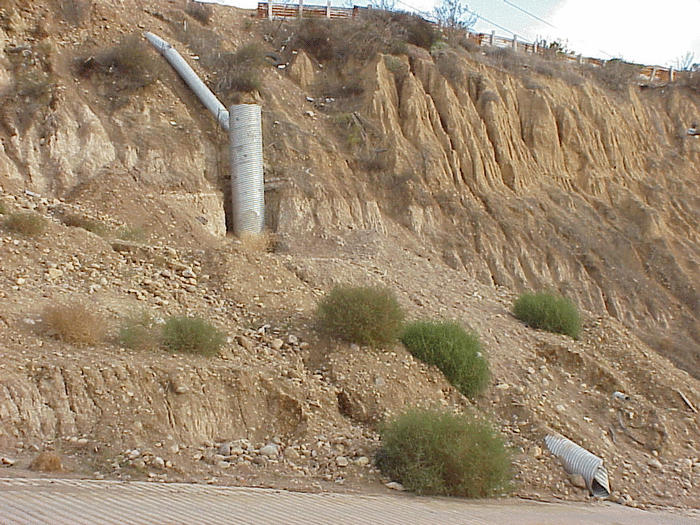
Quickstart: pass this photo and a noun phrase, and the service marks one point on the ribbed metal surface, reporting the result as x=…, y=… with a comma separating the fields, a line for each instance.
x=578, y=460
x=191, y=78
x=247, y=183
x=83, y=502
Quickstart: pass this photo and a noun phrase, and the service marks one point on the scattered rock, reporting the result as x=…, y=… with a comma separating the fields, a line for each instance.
x=225, y=449
x=394, y=485
x=277, y=344
x=655, y=463
x=342, y=461
x=271, y=450
x=6, y=461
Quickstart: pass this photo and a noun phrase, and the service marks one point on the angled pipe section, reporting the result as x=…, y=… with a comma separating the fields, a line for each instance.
x=191, y=79
x=578, y=460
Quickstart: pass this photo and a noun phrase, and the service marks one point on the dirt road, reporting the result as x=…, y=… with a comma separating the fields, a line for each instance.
x=35, y=501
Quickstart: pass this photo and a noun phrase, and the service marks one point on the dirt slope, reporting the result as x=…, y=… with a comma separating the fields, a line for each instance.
x=450, y=179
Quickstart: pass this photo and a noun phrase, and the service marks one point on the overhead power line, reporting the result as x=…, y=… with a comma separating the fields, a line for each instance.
x=529, y=14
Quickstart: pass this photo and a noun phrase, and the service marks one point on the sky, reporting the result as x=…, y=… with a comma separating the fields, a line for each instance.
x=641, y=31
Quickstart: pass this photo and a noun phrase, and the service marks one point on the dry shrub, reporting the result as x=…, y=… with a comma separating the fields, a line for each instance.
x=74, y=322
x=74, y=11
x=191, y=335
x=363, y=315
x=123, y=69
x=91, y=225
x=614, y=75
x=47, y=462
x=255, y=242
x=200, y=12
x=29, y=224
x=139, y=332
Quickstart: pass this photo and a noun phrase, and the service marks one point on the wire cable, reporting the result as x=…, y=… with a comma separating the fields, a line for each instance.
x=530, y=14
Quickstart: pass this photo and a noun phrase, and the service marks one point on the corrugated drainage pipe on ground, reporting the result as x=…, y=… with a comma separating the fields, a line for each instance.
x=578, y=460
x=247, y=182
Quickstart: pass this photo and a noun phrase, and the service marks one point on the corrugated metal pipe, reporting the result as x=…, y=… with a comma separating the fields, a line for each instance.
x=191, y=79
x=247, y=182
x=578, y=460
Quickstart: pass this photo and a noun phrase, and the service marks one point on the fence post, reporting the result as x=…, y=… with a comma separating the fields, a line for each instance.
x=269, y=9
x=493, y=34
x=670, y=74
x=653, y=74
x=580, y=59
x=328, y=9
x=301, y=8
x=515, y=42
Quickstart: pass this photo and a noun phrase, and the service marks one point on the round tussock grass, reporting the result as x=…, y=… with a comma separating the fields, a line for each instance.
x=191, y=335
x=549, y=312
x=74, y=322
x=139, y=332
x=440, y=453
x=456, y=352
x=363, y=315
x=28, y=224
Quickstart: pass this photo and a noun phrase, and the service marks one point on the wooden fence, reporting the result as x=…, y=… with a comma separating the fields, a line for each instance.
x=276, y=11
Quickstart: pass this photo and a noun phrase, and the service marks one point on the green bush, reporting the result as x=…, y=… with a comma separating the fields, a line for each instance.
x=549, y=312
x=439, y=453
x=29, y=224
x=362, y=315
x=457, y=353
x=139, y=332
x=192, y=335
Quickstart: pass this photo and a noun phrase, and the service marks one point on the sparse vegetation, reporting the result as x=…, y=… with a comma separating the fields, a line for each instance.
x=25, y=223
x=132, y=233
x=364, y=315
x=91, y=225
x=47, y=462
x=139, y=332
x=3, y=208
x=74, y=322
x=549, y=312
x=191, y=335
x=456, y=352
x=444, y=454
x=124, y=68
x=74, y=11
x=614, y=75
x=200, y=12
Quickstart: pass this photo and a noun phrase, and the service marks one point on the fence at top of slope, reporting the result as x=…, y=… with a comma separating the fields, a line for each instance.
x=273, y=10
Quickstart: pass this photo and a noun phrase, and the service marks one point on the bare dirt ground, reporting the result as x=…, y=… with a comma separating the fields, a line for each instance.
x=280, y=406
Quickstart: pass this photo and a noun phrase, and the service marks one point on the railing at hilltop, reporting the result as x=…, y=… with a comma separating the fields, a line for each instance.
x=276, y=11
x=272, y=10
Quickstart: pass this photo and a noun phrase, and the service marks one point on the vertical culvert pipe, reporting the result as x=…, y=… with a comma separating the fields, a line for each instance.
x=577, y=460
x=247, y=183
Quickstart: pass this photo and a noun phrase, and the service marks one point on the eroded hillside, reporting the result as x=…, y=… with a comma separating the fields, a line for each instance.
x=457, y=178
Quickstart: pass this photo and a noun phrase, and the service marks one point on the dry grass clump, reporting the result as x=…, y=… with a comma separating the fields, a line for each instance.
x=91, y=225
x=74, y=322
x=191, y=335
x=614, y=75
x=47, y=462
x=255, y=242
x=29, y=224
x=123, y=69
x=139, y=332
x=74, y=11
x=364, y=315
x=200, y=12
